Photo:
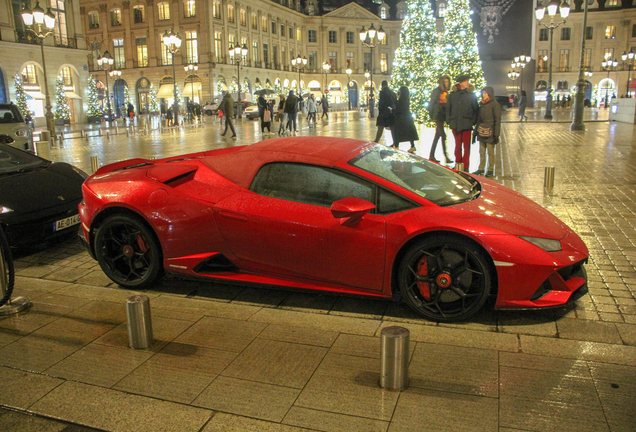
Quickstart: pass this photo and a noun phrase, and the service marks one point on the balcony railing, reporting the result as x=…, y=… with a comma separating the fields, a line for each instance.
x=65, y=42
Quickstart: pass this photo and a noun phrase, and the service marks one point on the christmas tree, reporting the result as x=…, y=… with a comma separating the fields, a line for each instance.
x=62, y=109
x=424, y=54
x=127, y=98
x=20, y=95
x=94, y=107
x=153, y=104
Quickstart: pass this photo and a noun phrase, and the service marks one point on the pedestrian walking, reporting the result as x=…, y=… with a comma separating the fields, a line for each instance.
x=386, y=106
x=488, y=128
x=227, y=106
x=282, y=117
x=324, y=101
x=169, y=116
x=404, y=126
x=291, y=108
x=371, y=106
x=264, y=114
x=163, y=110
x=461, y=115
x=437, y=113
x=523, y=102
x=130, y=110
x=312, y=109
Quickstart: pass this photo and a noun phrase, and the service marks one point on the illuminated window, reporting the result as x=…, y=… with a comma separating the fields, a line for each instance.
x=142, y=51
x=264, y=23
x=60, y=32
x=218, y=44
x=163, y=11
x=216, y=10
x=192, y=53
x=119, y=57
x=115, y=17
x=299, y=34
x=66, y=75
x=189, y=8
x=610, y=32
x=166, y=57
x=93, y=20
x=254, y=22
x=29, y=75
x=383, y=14
x=383, y=62
x=243, y=17
x=255, y=52
x=230, y=13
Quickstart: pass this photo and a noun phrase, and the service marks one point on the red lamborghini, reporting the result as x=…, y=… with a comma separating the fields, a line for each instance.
x=332, y=214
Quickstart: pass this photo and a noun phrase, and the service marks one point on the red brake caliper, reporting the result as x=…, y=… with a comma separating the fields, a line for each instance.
x=422, y=270
x=142, y=244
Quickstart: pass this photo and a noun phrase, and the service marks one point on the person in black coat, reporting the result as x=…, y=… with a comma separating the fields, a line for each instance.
x=262, y=107
x=461, y=115
x=404, y=127
x=385, y=107
x=488, y=128
x=437, y=113
x=291, y=109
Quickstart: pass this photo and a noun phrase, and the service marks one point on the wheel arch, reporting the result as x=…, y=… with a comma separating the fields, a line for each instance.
x=116, y=211
x=429, y=234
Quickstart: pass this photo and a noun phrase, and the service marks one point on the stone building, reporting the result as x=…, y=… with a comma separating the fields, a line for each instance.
x=610, y=32
x=274, y=32
x=64, y=55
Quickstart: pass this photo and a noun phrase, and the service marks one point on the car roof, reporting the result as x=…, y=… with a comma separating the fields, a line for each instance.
x=241, y=166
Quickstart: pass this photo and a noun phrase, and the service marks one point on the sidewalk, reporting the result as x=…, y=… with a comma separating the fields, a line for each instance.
x=245, y=359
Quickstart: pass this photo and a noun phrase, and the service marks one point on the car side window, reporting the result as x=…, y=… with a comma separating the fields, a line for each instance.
x=388, y=202
x=309, y=184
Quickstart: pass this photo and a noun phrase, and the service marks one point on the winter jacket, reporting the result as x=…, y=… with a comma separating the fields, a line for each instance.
x=262, y=106
x=462, y=109
x=387, y=100
x=437, y=110
x=404, y=127
x=227, y=105
x=489, y=117
x=291, y=104
x=311, y=105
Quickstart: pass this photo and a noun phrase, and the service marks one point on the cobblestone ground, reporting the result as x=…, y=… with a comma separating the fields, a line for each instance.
x=243, y=359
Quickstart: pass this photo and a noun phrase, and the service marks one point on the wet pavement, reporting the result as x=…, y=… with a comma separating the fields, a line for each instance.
x=230, y=358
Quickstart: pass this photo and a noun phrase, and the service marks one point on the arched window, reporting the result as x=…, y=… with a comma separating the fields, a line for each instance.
x=441, y=9
x=542, y=85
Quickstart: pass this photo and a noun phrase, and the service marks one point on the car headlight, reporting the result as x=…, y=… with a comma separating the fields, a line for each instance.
x=22, y=133
x=548, y=245
x=5, y=210
x=81, y=173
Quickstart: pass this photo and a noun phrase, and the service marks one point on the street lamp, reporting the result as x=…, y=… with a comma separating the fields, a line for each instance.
x=191, y=68
x=513, y=75
x=372, y=43
x=326, y=66
x=520, y=62
x=630, y=65
x=564, y=10
x=172, y=42
x=41, y=25
x=299, y=63
x=608, y=64
x=348, y=71
x=238, y=52
x=105, y=63
x=115, y=73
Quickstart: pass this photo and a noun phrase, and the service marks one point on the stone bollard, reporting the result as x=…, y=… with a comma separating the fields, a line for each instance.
x=94, y=163
x=394, y=358
x=548, y=179
x=139, y=322
x=459, y=167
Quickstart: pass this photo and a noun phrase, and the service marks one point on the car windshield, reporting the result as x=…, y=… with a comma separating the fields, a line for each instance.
x=10, y=114
x=431, y=181
x=13, y=160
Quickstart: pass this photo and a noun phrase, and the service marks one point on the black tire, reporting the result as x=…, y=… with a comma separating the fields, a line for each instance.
x=209, y=112
x=128, y=252
x=445, y=278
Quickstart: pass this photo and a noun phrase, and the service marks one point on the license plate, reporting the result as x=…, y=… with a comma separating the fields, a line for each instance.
x=66, y=223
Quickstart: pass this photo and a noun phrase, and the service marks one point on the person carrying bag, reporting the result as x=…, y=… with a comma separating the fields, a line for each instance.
x=487, y=130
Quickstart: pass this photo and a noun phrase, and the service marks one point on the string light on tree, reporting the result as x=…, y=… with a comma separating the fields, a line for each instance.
x=153, y=104
x=20, y=96
x=62, y=109
x=95, y=109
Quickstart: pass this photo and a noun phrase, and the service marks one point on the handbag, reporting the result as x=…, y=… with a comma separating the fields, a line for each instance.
x=267, y=116
x=484, y=132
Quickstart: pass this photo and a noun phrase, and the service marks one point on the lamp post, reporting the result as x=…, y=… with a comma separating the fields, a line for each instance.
x=630, y=65
x=238, y=52
x=349, y=71
x=326, y=66
x=520, y=62
x=172, y=42
x=105, y=62
x=564, y=10
x=299, y=63
x=116, y=74
x=191, y=68
x=372, y=43
x=608, y=64
x=513, y=75
x=41, y=25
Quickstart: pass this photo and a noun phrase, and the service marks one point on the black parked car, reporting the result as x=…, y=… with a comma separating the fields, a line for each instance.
x=504, y=101
x=38, y=198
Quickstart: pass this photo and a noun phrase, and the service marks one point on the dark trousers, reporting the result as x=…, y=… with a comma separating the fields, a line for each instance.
x=462, y=141
x=228, y=122
x=439, y=133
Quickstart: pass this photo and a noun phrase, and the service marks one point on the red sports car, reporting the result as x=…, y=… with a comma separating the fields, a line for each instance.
x=332, y=214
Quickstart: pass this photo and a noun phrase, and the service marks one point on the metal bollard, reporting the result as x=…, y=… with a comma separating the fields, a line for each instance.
x=139, y=322
x=94, y=163
x=548, y=179
x=107, y=135
x=100, y=132
x=394, y=358
x=459, y=167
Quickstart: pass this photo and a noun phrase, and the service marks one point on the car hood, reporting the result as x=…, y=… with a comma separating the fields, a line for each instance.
x=39, y=189
x=513, y=213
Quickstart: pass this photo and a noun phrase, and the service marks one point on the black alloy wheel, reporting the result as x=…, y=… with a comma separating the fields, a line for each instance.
x=128, y=252
x=445, y=278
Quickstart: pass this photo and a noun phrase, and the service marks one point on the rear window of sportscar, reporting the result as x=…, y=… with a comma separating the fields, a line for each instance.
x=426, y=179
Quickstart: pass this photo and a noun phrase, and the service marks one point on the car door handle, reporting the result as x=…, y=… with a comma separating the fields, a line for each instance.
x=233, y=216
